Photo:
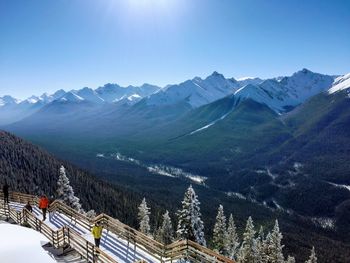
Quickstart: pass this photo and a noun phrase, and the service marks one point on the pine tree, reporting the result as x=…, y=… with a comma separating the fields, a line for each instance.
x=274, y=245
x=190, y=226
x=143, y=217
x=90, y=214
x=65, y=192
x=165, y=233
x=261, y=245
x=312, y=258
x=219, y=232
x=232, y=242
x=248, y=252
x=290, y=259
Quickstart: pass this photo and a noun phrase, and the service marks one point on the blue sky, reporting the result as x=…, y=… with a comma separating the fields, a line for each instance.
x=47, y=45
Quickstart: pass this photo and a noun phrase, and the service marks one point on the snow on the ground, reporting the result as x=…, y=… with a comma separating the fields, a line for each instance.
x=160, y=169
x=324, y=222
x=110, y=243
x=235, y=194
x=20, y=244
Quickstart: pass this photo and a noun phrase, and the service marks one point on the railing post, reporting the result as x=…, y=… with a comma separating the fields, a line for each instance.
x=68, y=236
x=87, y=250
x=186, y=248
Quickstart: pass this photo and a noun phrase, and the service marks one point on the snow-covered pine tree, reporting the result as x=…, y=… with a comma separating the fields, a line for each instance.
x=165, y=233
x=65, y=192
x=219, y=232
x=232, y=242
x=312, y=258
x=143, y=216
x=261, y=245
x=190, y=225
x=274, y=245
x=248, y=252
x=90, y=214
x=290, y=259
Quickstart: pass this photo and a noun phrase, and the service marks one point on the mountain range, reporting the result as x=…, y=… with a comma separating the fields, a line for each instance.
x=278, y=93
x=282, y=142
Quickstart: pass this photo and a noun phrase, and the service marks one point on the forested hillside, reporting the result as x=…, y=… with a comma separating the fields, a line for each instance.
x=30, y=169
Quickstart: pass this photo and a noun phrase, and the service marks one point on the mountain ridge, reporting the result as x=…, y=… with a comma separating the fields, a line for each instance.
x=280, y=94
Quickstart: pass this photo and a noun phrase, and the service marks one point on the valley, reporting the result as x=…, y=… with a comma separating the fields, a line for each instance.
x=237, y=150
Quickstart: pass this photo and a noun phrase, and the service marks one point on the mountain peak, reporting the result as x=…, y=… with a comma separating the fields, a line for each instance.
x=7, y=99
x=216, y=74
x=305, y=71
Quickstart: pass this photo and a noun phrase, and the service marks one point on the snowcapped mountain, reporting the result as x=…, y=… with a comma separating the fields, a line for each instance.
x=196, y=92
x=71, y=97
x=340, y=83
x=280, y=94
x=7, y=100
x=249, y=80
x=305, y=84
x=114, y=92
x=88, y=95
x=284, y=93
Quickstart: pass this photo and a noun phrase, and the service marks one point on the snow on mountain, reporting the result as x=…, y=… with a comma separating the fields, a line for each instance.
x=89, y=95
x=43, y=99
x=32, y=100
x=249, y=80
x=279, y=94
x=196, y=92
x=114, y=92
x=134, y=97
x=305, y=84
x=340, y=83
x=71, y=97
x=7, y=100
x=287, y=92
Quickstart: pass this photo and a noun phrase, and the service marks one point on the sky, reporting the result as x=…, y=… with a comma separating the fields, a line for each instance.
x=69, y=44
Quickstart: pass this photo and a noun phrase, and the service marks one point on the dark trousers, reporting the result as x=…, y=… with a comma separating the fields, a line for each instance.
x=97, y=242
x=44, y=213
x=6, y=198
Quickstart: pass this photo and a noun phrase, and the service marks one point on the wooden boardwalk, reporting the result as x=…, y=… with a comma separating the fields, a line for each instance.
x=119, y=243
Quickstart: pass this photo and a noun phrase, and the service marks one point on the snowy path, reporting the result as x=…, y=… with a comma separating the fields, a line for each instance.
x=110, y=243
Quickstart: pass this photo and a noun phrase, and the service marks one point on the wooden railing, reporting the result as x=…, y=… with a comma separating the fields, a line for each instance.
x=68, y=236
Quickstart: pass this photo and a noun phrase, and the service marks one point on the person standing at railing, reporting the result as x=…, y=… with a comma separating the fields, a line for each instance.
x=97, y=233
x=5, y=190
x=43, y=205
x=29, y=207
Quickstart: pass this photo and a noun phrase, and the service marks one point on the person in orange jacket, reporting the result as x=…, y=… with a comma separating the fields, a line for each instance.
x=43, y=205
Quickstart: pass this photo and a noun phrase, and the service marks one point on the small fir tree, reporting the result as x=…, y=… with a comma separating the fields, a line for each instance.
x=274, y=245
x=219, y=232
x=290, y=259
x=312, y=258
x=143, y=216
x=165, y=233
x=190, y=225
x=65, y=192
x=232, y=239
x=90, y=214
x=248, y=252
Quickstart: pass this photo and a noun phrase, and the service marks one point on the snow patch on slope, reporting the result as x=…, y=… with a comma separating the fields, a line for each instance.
x=159, y=169
x=340, y=83
x=210, y=124
x=344, y=186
